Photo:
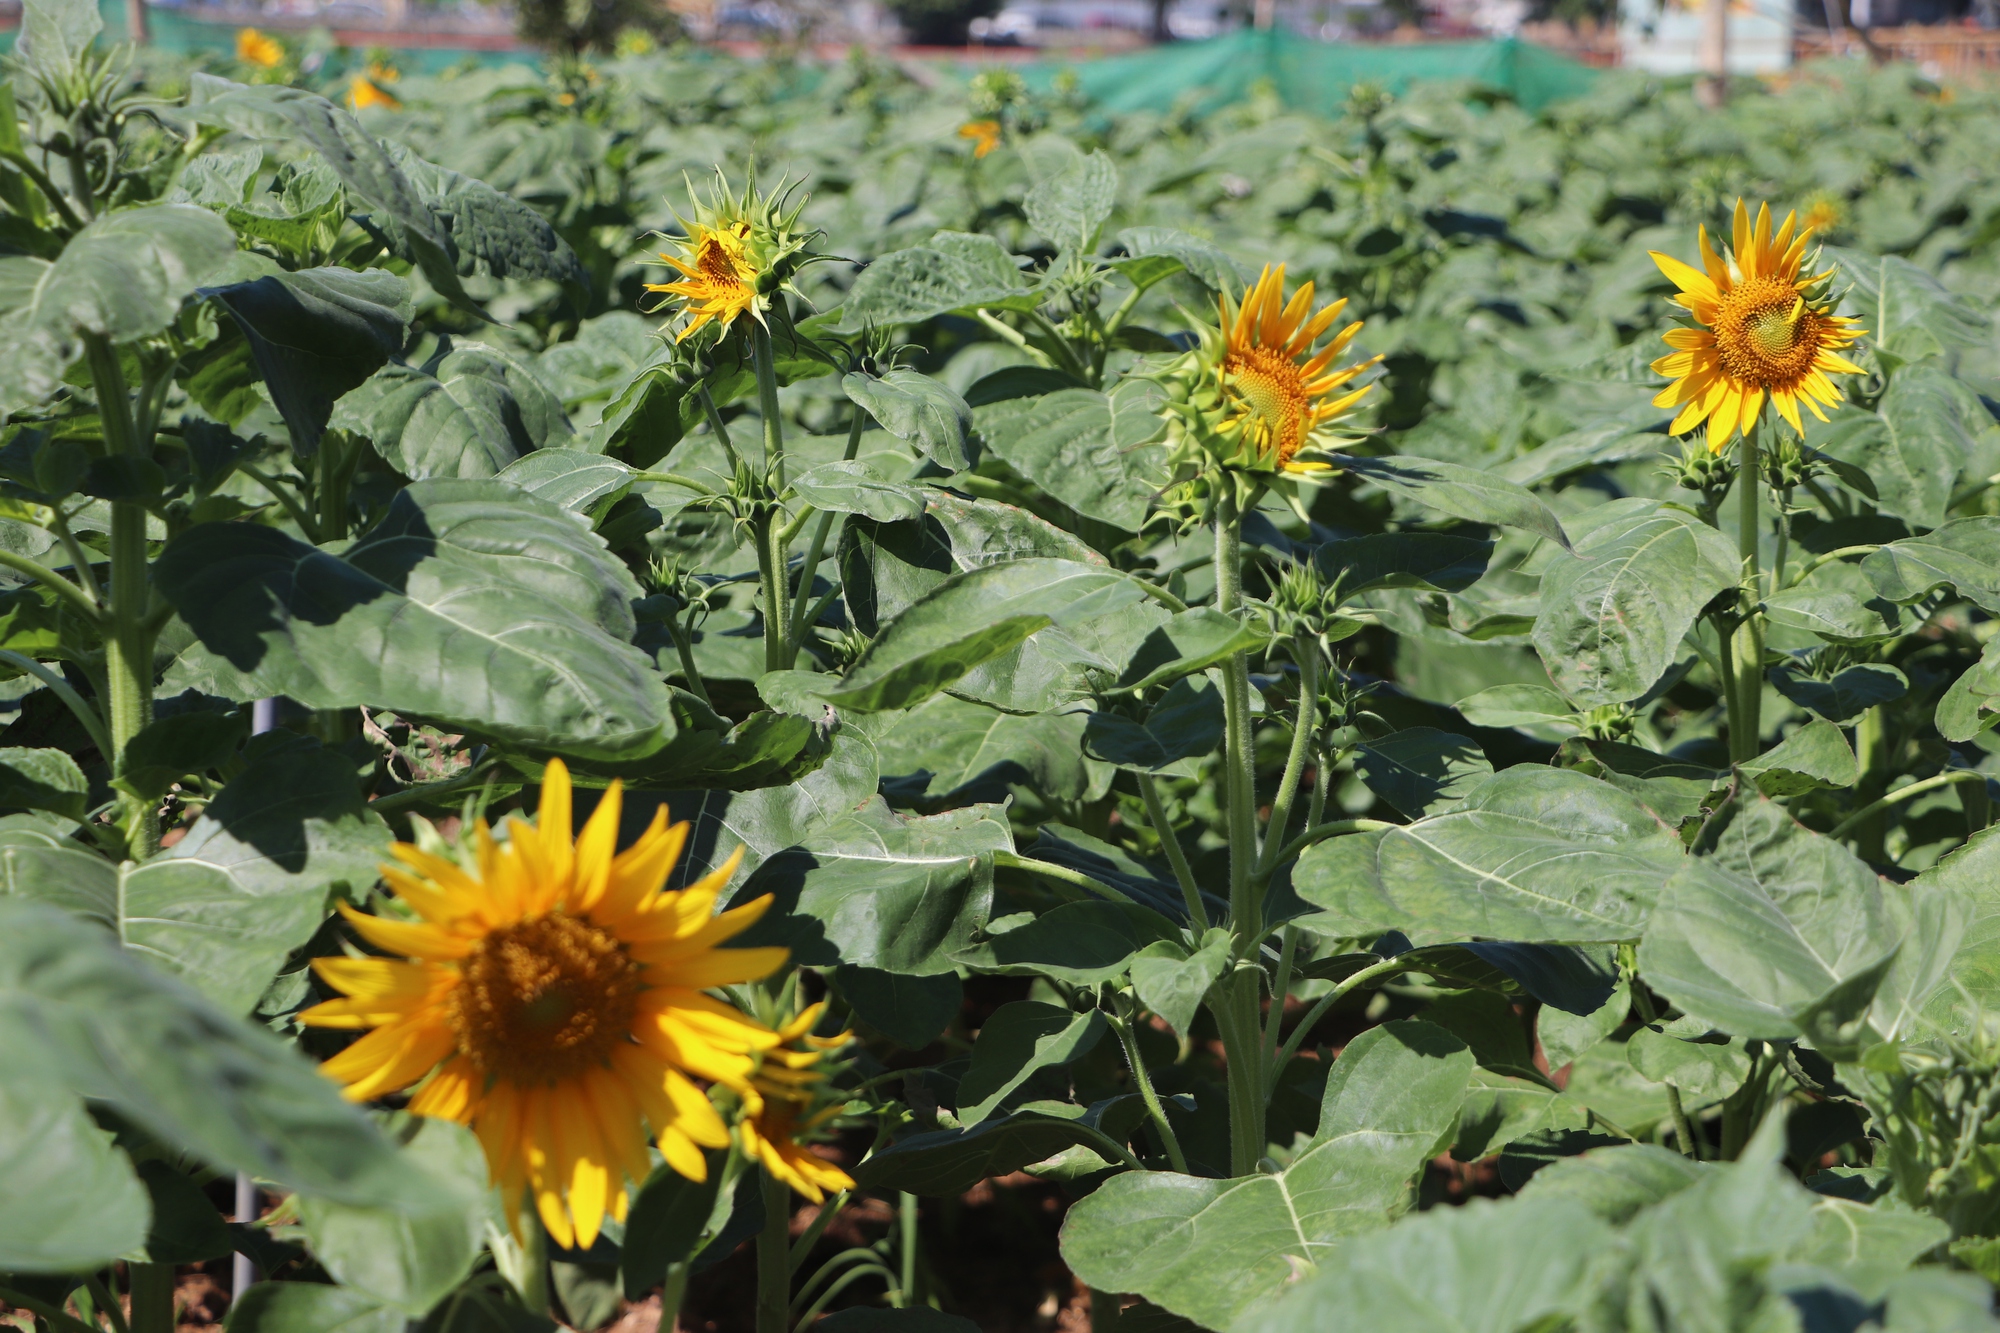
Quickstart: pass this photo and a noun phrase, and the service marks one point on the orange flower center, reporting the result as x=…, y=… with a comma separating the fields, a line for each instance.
x=1760, y=339
x=544, y=1000
x=718, y=264
x=1271, y=393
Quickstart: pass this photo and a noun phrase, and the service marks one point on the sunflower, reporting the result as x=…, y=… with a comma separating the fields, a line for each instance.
x=737, y=252
x=257, y=49
x=1255, y=392
x=784, y=1106
x=985, y=136
x=365, y=92
x=553, y=1001
x=1759, y=330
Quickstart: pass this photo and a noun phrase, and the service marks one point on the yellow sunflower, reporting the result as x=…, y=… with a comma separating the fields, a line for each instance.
x=985, y=136
x=1276, y=394
x=783, y=1107
x=257, y=49
x=365, y=92
x=553, y=1001
x=1759, y=330
x=718, y=280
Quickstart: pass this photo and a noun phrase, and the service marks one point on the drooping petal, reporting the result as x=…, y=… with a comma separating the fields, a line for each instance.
x=409, y=939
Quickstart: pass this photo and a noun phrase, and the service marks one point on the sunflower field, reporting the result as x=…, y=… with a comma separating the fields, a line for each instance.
x=673, y=692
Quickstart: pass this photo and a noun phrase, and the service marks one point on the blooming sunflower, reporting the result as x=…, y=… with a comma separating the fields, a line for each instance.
x=1760, y=330
x=737, y=252
x=552, y=1001
x=985, y=136
x=784, y=1106
x=1257, y=390
x=257, y=49
x=365, y=92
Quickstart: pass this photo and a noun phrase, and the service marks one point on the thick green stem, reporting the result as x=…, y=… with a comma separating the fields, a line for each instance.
x=1156, y=810
x=1281, y=987
x=534, y=1284
x=1871, y=753
x=1725, y=657
x=674, y=1293
x=1307, y=657
x=1784, y=539
x=684, y=646
x=1233, y=1001
x=774, y=1258
x=152, y=1290
x=128, y=644
x=817, y=546
x=906, y=1228
x=1683, y=1131
x=1750, y=634
x=1144, y=1082
x=1239, y=772
x=767, y=405
x=771, y=577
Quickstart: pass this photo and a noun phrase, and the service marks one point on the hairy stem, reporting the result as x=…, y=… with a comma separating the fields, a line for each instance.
x=1144, y=1082
x=774, y=1257
x=1156, y=810
x=1233, y=1001
x=1307, y=657
x=1239, y=774
x=1326, y=1003
x=1061, y=875
x=1743, y=741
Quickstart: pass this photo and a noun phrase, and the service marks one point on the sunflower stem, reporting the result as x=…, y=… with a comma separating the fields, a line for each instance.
x=773, y=550
x=1127, y=1038
x=1238, y=772
x=816, y=548
x=906, y=1237
x=1306, y=654
x=152, y=1290
x=1743, y=738
x=534, y=1283
x=774, y=1258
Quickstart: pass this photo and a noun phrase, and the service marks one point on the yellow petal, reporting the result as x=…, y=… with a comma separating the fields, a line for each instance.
x=596, y=848
x=409, y=939
x=1688, y=340
x=1688, y=278
x=452, y=1093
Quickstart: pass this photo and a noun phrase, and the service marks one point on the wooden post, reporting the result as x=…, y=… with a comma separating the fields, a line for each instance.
x=135, y=23
x=1713, y=89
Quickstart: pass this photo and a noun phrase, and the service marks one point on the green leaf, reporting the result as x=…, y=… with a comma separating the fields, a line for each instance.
x=860, y=486
x=1835, y=604
x=1674, y=789
x=1092, y=451
x=1848, y=693
x=1422, y=771
x=410, y=1258
x=56, y=33
x=1972, y=702
x=186, y=1228
x=1488, y=1267
x=1017, y=1041
x=471, y=603
x=1963, y=555
x=1173, y=983
x=1972, y=981
x=947, y=1162
x=873, y=888
x=123, y=277
x=42, y=780
x=311, y=1307
x=972, y=751
x=1083, y=943
x=1616, y=1183
x=1706, y=1066
x=1925, y=429
x=953, y=271
x=1815, y=756
x=486, y=231
x=469, y=414
x=1532, y=854
x=172, y=747
x=976, y=617
x=1462, y=492
x=912, y=406
x=1213, y=1250
x=1906, y=309
x=1427, y=561
x=1613, y=611
x=1069, y=206
x=315, y=334
x=1768, y=921
x=1870, y=1247
x=1209, y=265
x=1187, y=721
x=1191, y=642
x=1518, y=706
x=74, y=1203
x=665, y=1224
x=571, y=478
x=910, y=1011
x=196, y=1077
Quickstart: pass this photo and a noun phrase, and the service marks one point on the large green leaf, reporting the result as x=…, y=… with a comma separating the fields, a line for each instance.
x=912, y=406
x=873, y=888
x=1017, y=1041
x=1462, y=492
x=972, y=750
x=953, y=271
x=984, y=616
x=1972, y=983
x=410, y=1258
x=1213, y=1250
x=471, y=602
x=1090, y=450
x=1485, y=1268
x=570, y=478
x=1906, y=309
x=1070, y=205
x=469, y=413
x=1773, y=931
x=1082, y=943
x=55, y=33
x=1614, y=610
x=42, y=780
x=121, y=278
x=1421, y=770
x=315, y=334
x=311, y=1307
x=947, y=1162
x=873, y=486
x=1963, y=555
x=73, y=1202
x=76, y=1007
x=1533, y=854
x=1429, y=561
x=1187, y=721
x=1926, y=429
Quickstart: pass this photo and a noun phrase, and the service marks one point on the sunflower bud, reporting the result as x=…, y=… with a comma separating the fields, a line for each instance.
x=738, y=253
x=1253, y=395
